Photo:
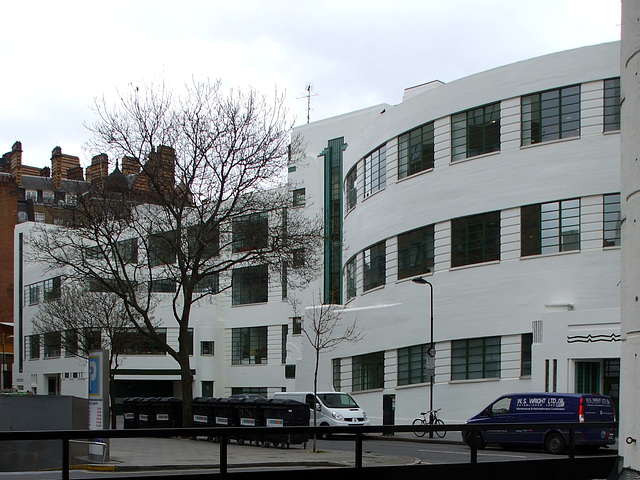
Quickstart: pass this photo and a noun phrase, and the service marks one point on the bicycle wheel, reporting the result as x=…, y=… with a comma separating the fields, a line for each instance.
x=440, y=433
x=418, y=422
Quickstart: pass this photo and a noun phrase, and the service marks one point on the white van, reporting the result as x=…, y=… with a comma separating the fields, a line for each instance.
x=335, y=409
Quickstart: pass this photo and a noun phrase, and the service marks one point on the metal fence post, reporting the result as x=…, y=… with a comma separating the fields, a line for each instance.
x=65, y=459
x=358, y=450
x=223, y=454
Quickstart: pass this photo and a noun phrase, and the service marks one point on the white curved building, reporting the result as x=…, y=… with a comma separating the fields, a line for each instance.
x=501, y=190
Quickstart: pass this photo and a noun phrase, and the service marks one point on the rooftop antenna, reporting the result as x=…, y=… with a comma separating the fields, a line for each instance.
x=308, y=96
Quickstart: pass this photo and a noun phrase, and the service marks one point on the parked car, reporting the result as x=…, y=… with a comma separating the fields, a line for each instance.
x=532, y=408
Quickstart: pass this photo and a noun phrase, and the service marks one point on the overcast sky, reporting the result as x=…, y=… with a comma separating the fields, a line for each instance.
x=57, y=56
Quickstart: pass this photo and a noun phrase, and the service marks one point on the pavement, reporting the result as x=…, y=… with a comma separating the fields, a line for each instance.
x=131, y=454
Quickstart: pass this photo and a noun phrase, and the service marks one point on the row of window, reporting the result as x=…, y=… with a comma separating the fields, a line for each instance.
x=43, y=291
x=545, y=116
x=47, y=196
x=79, y=342
x=471, y=359
x=545, y=228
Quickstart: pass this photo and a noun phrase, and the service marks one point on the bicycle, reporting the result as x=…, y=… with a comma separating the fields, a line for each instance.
x=432, y=420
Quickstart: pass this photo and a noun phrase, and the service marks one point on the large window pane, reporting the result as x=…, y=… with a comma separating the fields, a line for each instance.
x=416, y=151
x=351, y=189
x=415, y=252
x=250, y=232
x=250, y=285
x=375, y=171
x=612, y=220
x=475, y=239
x=550, y=115
x=611, y=118
x=412, y=365
x=475, y=358
x=368, y=371
x=475, y=132
x=374, y=266
x=249, y=346
x=550, y=227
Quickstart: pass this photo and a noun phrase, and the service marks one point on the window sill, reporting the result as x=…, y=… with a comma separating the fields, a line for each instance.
x=374, y=289
x=475, y=157
x=371, y=390
x=474, y=380
x=555, y=254
x=414, y=175
x=413, y=385
x=549, y=142
x=411, y=277
x=613, y=247
x=248, y=304
x=612, y=132
x=474, y=265
x=367, y=197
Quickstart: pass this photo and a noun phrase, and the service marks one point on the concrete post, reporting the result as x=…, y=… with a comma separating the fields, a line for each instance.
x=629, y=447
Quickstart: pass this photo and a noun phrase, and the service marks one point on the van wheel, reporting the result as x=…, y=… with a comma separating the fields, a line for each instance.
x=474, y=439
x=554, y=443
x=324, y=436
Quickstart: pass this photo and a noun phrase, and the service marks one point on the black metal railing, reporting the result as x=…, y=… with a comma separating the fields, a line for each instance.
x=590, y=467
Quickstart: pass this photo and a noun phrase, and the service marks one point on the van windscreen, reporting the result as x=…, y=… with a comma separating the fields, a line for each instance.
x=337, y=400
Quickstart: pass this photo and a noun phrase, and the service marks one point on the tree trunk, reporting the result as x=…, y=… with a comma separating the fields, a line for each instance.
x=187, y=394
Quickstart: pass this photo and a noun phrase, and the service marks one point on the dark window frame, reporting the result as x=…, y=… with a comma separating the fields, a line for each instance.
x=351, y=189
x=416, y=150
x=551, y=115
x=416, y=252
x=249, y=345
x=475, y=132
x=475, y=358
x=412, y=364
x=611, y=220
x=368, y=371
x=545, y=228
x=374, y=266
x=250, y=232
x=250, y=285
x=475, y=239
x=375, y=171
x=611, y=115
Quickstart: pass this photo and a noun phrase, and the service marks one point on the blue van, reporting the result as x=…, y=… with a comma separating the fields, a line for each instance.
x=544, y=408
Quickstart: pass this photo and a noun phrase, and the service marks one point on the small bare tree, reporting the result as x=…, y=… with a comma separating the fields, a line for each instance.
x=322, y=327
x=89, y=321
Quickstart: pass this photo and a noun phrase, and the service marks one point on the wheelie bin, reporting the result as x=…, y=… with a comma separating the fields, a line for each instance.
x=249, y=413
x=146, y=412
x=130, y=412
x=286, y=413
x=167, y=412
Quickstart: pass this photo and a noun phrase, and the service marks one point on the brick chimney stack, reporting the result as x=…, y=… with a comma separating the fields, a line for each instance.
x=60, y=165
x=16, y=162
x=130, y=166
x=98, y=171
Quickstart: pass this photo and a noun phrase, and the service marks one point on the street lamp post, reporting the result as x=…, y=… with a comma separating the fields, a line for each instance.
x=431, y=351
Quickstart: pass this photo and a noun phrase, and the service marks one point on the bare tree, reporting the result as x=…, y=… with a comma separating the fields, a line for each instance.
x=322, y=327
x=83, y=321
x=207, y=197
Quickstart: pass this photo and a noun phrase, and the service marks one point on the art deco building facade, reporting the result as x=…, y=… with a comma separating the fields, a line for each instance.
x=500, y=190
